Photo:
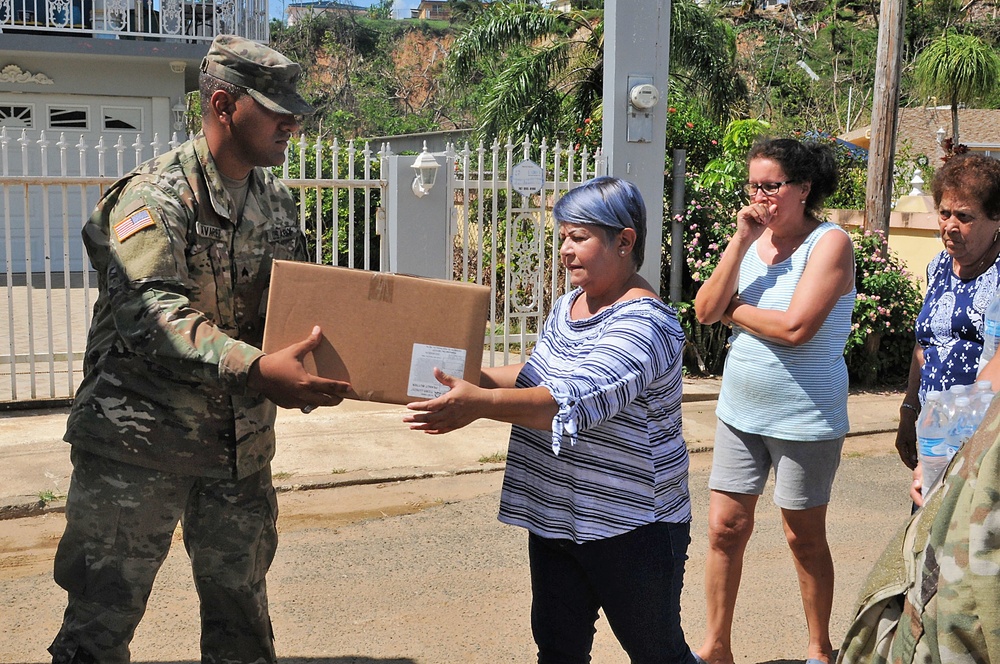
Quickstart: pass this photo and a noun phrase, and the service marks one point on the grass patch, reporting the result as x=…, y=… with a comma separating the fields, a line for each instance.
x=281, y=476
x=496, y=457
x=338, y=471
x=47, y=497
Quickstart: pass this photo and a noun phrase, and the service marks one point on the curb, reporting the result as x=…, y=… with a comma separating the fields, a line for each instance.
x=20, y=507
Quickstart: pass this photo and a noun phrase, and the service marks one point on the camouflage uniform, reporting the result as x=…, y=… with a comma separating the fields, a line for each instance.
x=163, y=427
x=934, y=596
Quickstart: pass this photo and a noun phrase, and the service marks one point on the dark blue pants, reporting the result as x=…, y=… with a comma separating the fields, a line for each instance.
x=635, y=577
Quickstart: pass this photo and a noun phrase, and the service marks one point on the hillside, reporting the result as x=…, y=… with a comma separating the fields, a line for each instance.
x=809, y=66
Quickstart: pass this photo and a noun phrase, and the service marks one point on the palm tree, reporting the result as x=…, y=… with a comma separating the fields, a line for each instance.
x=544, y=70
x=959, y=68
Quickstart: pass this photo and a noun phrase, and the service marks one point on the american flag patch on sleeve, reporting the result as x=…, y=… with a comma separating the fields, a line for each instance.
x=133, y=223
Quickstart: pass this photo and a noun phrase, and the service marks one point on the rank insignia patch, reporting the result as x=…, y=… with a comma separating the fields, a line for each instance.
x=133, y=223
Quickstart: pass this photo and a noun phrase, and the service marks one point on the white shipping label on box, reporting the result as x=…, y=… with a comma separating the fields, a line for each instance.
x=422, y=382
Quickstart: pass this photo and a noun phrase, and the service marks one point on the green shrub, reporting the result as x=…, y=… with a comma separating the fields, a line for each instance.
x=880, y=345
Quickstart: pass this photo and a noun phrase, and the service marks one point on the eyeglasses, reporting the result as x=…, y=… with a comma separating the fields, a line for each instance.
x=769, y=188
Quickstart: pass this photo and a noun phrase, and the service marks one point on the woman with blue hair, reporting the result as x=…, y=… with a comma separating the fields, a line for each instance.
x=597, y=469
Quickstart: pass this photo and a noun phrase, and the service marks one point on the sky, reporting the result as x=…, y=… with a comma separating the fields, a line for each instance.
x=401, y=8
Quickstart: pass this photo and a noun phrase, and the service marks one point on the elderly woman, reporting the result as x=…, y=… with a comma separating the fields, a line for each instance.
x=961, y=282
x=596, y=467
x=786, y=283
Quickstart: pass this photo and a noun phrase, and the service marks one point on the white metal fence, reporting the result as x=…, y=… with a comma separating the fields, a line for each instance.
x=503, y=239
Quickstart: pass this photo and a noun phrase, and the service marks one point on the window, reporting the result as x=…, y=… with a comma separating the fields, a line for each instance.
x=122, y=118
x=69, y=117
x=19, y=116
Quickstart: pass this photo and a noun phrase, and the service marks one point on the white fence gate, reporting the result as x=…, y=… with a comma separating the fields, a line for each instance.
x=508, y=241
x=502, y=238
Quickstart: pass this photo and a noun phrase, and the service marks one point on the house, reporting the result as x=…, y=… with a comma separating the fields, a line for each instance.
x=298, y=11
x=86, y=73
x=921, y=130
x=97, y=67
x=432, y=10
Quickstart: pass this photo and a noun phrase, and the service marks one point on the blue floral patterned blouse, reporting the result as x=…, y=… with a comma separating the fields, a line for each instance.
x=950, y=324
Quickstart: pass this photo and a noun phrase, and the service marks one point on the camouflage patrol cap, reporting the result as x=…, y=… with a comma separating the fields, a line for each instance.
x=268, y=76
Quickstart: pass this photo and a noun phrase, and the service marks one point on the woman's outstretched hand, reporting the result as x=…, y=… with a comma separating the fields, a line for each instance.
x=461, y=405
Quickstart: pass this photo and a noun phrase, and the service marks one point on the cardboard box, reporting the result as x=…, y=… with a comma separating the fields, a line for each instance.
x=384, y=333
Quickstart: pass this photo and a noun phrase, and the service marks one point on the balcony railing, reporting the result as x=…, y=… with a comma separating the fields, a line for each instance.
x=156, y=20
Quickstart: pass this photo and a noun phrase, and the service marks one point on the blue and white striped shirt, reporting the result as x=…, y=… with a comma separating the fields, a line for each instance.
x=788, y=392
x=616, y=378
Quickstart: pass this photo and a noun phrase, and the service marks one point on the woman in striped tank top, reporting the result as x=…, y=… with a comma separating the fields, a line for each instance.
x=786, y=284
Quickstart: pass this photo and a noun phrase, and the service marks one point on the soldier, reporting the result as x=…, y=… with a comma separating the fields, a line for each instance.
x=174, y=420
x=933, y=596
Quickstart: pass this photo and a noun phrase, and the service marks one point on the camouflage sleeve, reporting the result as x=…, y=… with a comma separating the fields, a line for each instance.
x=968, y=615
x=984, y=550
x=149, y=285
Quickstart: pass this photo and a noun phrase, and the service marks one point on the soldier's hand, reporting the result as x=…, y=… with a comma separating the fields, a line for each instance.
x=282, y=378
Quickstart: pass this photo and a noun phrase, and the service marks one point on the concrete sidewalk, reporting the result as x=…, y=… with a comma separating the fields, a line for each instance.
x=354, y=443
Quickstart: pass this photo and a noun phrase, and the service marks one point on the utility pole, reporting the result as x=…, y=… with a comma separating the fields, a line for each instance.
x=885, y=113
x=636, y=60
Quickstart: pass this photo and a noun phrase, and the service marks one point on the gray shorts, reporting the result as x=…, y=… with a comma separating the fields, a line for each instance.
x=803, y=470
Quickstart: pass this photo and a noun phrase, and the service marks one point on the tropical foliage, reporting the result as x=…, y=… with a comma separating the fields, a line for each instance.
x=957, y=68
x=541, y=71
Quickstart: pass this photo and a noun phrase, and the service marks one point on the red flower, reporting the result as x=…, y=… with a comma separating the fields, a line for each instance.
x=587, y=121
x=689, y=125
x=671, y=110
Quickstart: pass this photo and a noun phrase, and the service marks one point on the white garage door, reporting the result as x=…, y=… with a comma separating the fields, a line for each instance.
x=53, y=135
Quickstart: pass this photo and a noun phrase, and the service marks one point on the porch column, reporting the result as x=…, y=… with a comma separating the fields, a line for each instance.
x=636, y=54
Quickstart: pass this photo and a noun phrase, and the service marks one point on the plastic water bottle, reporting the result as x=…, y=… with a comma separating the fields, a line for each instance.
x=980, y=404
x=951, y=395
x=981, y=387
x=932, y=439
x=963, y=424
x=991, y=331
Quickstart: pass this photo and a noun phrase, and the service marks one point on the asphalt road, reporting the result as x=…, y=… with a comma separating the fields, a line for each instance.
x=422, y=572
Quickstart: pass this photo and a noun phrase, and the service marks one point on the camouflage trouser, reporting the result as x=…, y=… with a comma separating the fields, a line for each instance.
x=120, y=520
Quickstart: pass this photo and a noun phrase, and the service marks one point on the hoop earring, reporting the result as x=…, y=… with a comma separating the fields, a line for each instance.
x=996, y=235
